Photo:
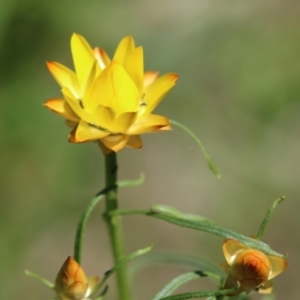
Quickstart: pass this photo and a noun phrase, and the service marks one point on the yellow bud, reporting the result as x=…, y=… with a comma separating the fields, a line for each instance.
x=251, y=268
x=71, y=282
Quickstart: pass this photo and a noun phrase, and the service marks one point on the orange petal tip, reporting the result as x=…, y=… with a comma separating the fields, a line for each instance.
x=174, y=76
x=50, y=64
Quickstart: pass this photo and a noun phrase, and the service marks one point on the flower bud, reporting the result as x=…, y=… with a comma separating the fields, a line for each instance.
x=250, y=269
x=71, y=282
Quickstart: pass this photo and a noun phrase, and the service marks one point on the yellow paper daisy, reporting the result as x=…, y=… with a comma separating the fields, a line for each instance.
x=109, y=100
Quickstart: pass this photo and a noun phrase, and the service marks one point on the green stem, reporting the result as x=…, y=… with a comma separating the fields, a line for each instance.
x=114, y=224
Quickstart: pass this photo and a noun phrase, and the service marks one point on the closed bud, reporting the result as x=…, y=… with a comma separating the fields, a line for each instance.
x=71, y=282
x=250, y=269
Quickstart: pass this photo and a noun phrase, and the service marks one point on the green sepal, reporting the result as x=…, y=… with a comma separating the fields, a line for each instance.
x=209, y=160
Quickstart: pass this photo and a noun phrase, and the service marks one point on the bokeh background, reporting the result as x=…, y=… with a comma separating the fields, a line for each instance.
x=239, y=91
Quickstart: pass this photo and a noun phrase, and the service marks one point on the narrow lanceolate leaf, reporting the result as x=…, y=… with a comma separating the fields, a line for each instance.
x=209, y=160
x=201, y=294
x=180, y=280
x=133, y=183
x=123, y=262
x=40, y=278
x=175, y=217
x=268, y=217
x=90, y=207
x=171, y=211
x=215, y=229
x=103, y=293
x=180, y=259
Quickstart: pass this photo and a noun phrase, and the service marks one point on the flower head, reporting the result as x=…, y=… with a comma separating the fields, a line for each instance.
x=71, y=282
x=250, y=269
x=109, y=100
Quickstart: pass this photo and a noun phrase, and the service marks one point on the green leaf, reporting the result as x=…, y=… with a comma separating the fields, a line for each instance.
x=90, y=207
x=40, y=278
x=103, y=293
x=132, y=183
x=268, y=217
x=207, y=156
x=182, y=279
x=175, y=217
x=201, y=294
x=83, y=220
x=209, y=227
x=123, y=262
x=171, y=211
x=181, y=259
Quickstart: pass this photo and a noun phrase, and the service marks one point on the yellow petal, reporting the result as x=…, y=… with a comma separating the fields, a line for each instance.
x=115, y=142
x=134, y=66
x=156, y=91
x=123, y=122
x=102, y=58
x=115, y=89
x=132, y=60
x=104, y=150
x=149, y=77
x=135, y=142
x=62, y=108
x=278, y=265
x=64, y=77
x=92, y=284
x=76, y=105
x=88, y=88
x=150, y=123
x=266, y=288
x=86, y=132
x=231, y=283
x=231, y=248
x=83, y=58
x=103, y=117
x=124, y=48
x=166, y=128
x=72, y=135
x=251, y=268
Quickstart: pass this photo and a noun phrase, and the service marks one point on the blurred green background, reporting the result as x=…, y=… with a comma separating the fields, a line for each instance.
x=239, y=67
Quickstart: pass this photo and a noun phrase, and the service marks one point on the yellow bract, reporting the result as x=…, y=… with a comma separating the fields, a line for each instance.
x=250, y=269
x=109, y=100
x=71, y=282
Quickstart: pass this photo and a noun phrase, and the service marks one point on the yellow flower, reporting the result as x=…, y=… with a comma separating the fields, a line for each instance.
x=71, y=282
x=250, y=269
x=109, y=100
